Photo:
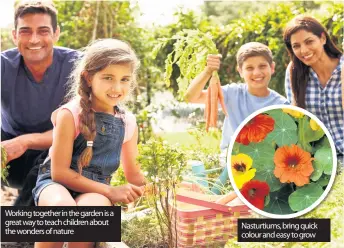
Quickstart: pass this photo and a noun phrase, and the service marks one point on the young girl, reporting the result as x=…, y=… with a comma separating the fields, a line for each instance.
x=91, y=133
x=313, y=78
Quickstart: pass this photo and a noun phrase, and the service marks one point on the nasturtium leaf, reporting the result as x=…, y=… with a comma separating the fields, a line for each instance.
x=318, y=171
x=323, y=160
x=266, y=200
x=261, y=153
x=235, y=149
x=323, y=142
x=306, y=134
x=279, y=201
x=324, y=180
x=304, y=197
x=265, y=173
x=285, y=131
x=274, y=113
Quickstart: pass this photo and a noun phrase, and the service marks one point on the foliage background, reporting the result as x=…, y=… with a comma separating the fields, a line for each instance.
x=230, y=23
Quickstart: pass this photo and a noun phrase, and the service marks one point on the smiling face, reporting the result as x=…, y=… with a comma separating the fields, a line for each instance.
x=308, y=47
x=256, y=71
x=110, y=86
x=35, y=37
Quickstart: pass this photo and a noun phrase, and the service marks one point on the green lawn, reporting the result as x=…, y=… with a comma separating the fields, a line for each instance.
x=186, y=139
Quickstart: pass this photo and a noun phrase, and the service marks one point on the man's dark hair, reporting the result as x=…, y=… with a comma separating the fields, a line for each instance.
x=36, y=7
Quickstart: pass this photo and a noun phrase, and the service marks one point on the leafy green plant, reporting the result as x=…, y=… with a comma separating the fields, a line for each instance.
x=189, y=52
x=163, y=165
x=141, y=232
x=4, y=166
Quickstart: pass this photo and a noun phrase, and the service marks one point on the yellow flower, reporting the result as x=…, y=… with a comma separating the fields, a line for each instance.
x=241, y=169
x=314, y=125
x=294, y=113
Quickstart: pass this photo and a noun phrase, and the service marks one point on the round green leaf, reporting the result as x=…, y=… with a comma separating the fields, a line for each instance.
x=304, y=197
x=274, y=113
x=318, y=171
x=261, y=153
x=285, y=131
x=267, y=200
x=324, y=180
x=322, y=143
x=266, y=173
x=323, y=159
x=307, y=135
x=279, y=201
x=235, y=149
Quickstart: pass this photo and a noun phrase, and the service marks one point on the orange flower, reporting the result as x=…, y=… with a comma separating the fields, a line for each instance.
x=293, y=165
x=256, y=129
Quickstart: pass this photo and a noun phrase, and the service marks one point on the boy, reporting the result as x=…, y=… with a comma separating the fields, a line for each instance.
x=255, y=66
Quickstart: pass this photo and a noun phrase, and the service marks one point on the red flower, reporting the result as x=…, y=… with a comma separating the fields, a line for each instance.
x=256, y=129
x=254, y=192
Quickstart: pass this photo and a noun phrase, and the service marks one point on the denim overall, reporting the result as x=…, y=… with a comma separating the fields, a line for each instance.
x=107, y=148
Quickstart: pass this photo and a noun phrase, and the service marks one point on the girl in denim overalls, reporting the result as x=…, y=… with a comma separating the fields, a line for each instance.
x=91, y=133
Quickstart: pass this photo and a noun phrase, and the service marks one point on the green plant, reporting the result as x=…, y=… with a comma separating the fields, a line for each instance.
x=189, y=52
x=141, y=232
x=4, y=166
x=163, y=165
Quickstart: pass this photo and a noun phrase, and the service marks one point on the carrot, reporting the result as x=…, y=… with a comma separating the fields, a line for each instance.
x=207, y=109
x=213, y=102
x=214, y=94
x=221, y=98
x=226, y=198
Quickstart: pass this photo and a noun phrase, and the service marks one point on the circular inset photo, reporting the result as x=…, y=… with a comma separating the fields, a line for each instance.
x=282, y=161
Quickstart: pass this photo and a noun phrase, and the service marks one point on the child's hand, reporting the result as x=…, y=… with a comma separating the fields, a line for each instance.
x=213, y=63
x=125, y=193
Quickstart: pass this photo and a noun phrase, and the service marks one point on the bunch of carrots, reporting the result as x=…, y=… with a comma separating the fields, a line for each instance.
x=214, y=95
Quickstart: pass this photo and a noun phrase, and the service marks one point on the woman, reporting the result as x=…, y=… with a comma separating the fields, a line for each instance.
x=313, y=77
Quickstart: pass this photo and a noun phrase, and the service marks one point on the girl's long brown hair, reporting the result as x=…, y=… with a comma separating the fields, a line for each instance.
x=299, y=72
x=96, y=57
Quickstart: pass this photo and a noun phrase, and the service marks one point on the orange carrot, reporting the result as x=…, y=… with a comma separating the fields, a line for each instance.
x=207, y=109
x=213, y=102
x=214, y=94
x=221, y=98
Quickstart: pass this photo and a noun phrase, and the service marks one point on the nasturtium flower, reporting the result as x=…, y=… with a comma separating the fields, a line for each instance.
x=314, y=125
x=242, y=169
x=256, y=129
x=294, y=113
x=293, y=165
x=255, y=192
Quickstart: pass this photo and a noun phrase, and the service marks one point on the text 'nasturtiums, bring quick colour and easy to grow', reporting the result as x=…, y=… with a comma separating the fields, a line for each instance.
x=281, y=161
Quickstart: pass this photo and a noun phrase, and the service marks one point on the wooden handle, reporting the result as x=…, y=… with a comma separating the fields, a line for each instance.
x=227, y=198
x=212, y=205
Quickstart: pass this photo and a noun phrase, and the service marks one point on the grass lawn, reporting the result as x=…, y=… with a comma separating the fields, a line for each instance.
x=186, y=139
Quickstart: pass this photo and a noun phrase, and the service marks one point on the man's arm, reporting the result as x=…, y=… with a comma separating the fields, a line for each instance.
x=195, y=92
x=18, y=146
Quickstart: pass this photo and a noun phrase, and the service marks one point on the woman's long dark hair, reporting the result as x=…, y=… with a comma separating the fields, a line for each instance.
x=299, y=72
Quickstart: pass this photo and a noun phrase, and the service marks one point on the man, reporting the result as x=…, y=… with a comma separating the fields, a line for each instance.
x=33, y=85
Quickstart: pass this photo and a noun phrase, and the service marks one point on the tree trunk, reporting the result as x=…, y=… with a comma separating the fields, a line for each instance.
x=94, y=34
